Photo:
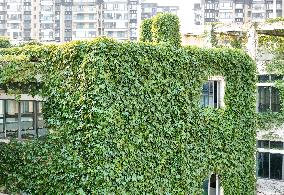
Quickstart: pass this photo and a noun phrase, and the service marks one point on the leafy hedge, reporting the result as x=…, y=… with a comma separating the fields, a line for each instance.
x=125, y=118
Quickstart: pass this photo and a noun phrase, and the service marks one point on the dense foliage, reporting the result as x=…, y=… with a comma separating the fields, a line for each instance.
x=146, y=30
x=4, y=42
x=237, y=40
x=162, y=28
x=273, y=45
x=125, y=118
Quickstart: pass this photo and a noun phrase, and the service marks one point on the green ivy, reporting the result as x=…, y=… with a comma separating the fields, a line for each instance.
x=274, y=45
x=125, y=119
x=146, y=30
x=162, y=28
x=4, y=42
x=273, y=20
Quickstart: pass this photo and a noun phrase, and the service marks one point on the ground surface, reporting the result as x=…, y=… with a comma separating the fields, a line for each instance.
x=270, y=187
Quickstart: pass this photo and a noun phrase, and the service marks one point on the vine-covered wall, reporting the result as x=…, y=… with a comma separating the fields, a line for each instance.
x=273, y=44
x=125, y=118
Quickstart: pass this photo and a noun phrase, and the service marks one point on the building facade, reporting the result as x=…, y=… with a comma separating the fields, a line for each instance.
x=66, y=20
x=151, y=9
x=236, y=11
x=270, y=141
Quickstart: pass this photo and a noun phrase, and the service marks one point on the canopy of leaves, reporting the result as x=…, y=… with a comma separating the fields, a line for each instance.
x=162, y=28
x=145, y=30
x=125, y=119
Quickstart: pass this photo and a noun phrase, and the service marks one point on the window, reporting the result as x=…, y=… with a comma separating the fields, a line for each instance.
x=212, y=186
x=270, y=160
x=91, y=26
x=2, y=133
x=211, y=94
x=27, y=119
x=268, y=99
x=266, y=78
x=21, y=119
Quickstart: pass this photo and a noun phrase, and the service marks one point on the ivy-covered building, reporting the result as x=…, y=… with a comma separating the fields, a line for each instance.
x=132, y=118
x=264, y=42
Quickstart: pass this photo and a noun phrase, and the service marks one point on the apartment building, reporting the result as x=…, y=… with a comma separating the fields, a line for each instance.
x=151, y=9
x=237, y=11
x=66, y=20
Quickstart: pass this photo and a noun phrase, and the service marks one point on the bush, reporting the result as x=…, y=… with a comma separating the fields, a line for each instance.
x=146, y=30
x=162, y=28
x=166, y=29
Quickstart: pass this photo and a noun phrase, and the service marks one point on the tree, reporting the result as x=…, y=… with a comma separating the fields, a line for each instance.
x=165, y=28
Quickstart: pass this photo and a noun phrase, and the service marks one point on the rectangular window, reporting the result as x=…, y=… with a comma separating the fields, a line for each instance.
x=210, y=94
x=25, y=116
x=263, y=144
x=276, y=164
x=28, y=130
x=2, y=132
x=276, y=145
x=270, y=161
x=11, y=118
x=263, y=165
x=268, y=99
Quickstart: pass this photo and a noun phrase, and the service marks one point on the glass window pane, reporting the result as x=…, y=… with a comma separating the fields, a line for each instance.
x=276, y=163
x=263, y=99
x=216, y=94
x=276, y=145
x=39, y=108
x=275, y=77
x=262, y=144
x=275, y=100
x=11, y=120
x=12, y=107
x=40, y=121
x=205, y=95
x=263, y=165
x=263, y=78
x=1, y=108
x=27, y=120
x=2, y=133
x=27, y=107
x=210, y=94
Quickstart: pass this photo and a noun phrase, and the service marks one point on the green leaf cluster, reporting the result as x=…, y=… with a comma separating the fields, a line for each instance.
x=4, y=42
x=125, y=119
x=146, y=30
x=162, y=28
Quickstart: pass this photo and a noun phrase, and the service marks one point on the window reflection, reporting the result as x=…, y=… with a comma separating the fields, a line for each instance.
x=40, y=122
x=11, y=118
x=210, y=94
x=2, y=133
x=268, y=99
x=28, y=129
x=276, y=163
x=25, y=116
x=263, y=165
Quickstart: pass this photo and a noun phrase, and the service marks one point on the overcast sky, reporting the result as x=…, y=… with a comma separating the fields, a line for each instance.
x=185, y=12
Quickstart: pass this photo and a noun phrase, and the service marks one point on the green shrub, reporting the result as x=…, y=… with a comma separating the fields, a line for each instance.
x=125, y=119
x=145, y=30
x=166, y=29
